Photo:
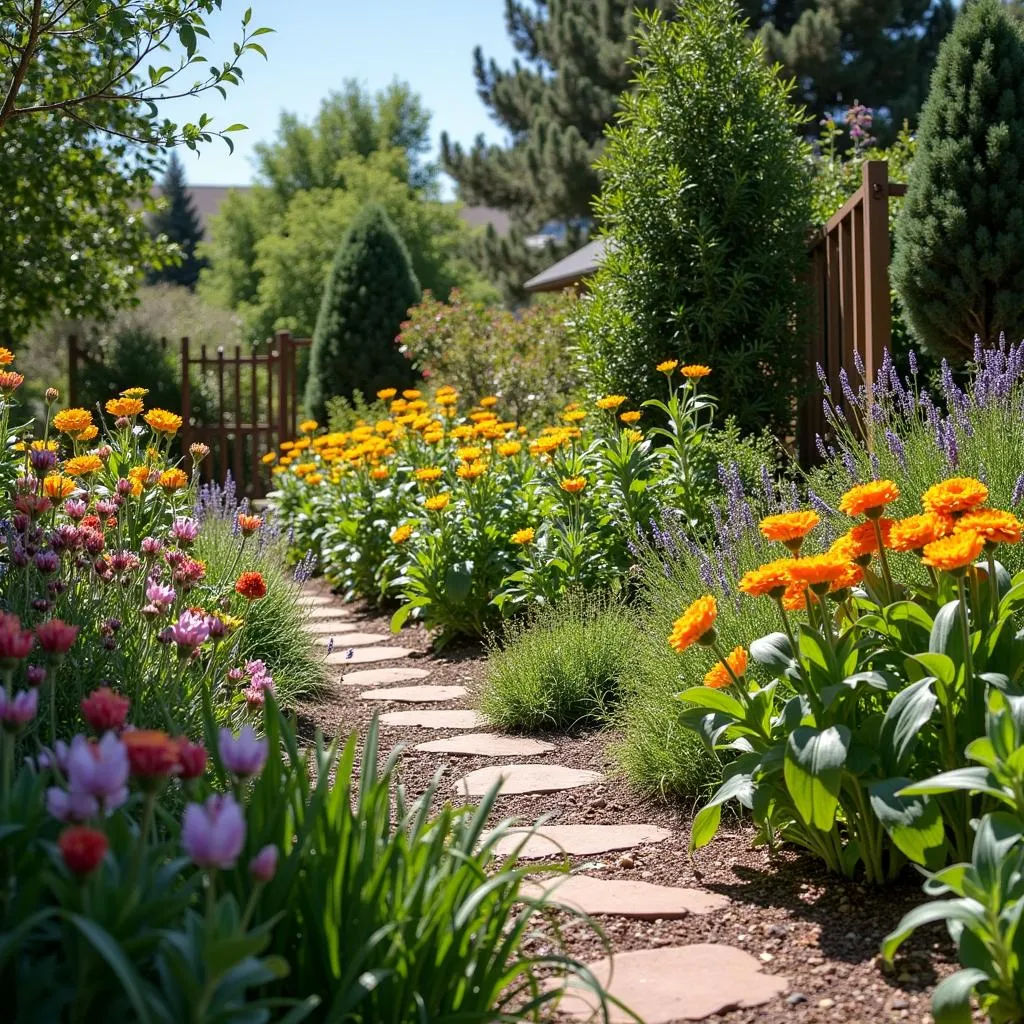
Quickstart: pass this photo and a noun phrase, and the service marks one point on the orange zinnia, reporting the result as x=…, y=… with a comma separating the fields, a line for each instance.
x=718, y=677
x=173, y=479
x=795, y=598
x=72, y=421
x=162, y=421
x=694, y=625
x=771, y=579
x=124, y=407
x=914, y=532
x=630, y=417
x=573, y=484
x=959, y=494
x=861, y=542
x=868, y=499
x=952, y=554
x=818, y=570
x=995, y=525
x=695, y=371
x=854, y=574
x=789, y=528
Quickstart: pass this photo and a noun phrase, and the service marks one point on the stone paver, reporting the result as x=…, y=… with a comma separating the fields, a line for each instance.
x=676, y=983
x=352, y=640
x=625, y=897
x=434, y=719
x=384, y=676
x=366, y=655
x=313, y=600
x=416, y=694
x=330, y=627
x=526, y=778
x=487, y=744
x=552, y=841
x=328, y=611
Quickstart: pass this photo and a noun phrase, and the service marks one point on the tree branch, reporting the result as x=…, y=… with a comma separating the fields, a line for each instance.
x=27, y=53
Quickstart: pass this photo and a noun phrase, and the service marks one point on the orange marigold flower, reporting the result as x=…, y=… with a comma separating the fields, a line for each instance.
x=610, y=401
x=868, y=499
x=914, y=532
x=471, y=470
x=574, y=415
x=251, y=586
x=72, y=421
x=636, y=436
x=667, y=365
x=135, y=392
x=83, y=465
x=6, y=357
x=428, y=474
x=173, y=479
x=438, y=503
x=387, y=393
x=817, y=570
x=162, y=421
x=789, y=527
x=248, y=524
x=400, y=534
x=124, y=406
x=509, y=448
x=718, y=678
x=10, y=381
x=854, y=574
x=315, y=478
x=995, y=525
x=630, y=417
x=695, y=371
x=954, y=553
x=308, y=426
x=573, y=484
x=56, y=486
x=411, y=393
x=523, y=536
x=694, y=624
x=862, y=541
x=795, y=598
x=771, y=579
x=958, y=494
x=488, y=401
x=379, y=473
x=470, y=453
x=546, y=445
x=89, y=434
x=269, y=458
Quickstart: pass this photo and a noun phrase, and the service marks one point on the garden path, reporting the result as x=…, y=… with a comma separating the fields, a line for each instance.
x=733, y=946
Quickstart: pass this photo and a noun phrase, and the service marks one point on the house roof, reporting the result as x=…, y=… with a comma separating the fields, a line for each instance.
x=567, y=271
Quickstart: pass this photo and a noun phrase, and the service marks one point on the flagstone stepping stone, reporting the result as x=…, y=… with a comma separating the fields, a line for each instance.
x=624, y=897
x=416, y=694
x=487, y=744
x=675, y=983
x=384, y=676
x=526, y=778
x=327, y=627
x=365, y=655
x=579, y=840
x=313, y=600
x=352, y=640
x=434, y=719
x=331, y=611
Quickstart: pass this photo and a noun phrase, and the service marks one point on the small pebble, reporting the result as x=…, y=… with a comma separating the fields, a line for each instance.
x=599, y=802
x=826, y=1004
x=794, y=998
x=900, y=1004
x=627, y=862
x=766, y=958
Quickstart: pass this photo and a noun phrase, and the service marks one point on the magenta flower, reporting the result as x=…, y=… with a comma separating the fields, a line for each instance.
x=105, y=507
x=243, y=755
x=75, y=508
x=47, y=562
x=17, y=710
x=160, y=595
x=184, y=530
x=257, y=667
x=255, y=696
x=15, y=642
x=213, y=833
x=99, y=770
x=264, y=865
x=190, y=632
x=151, y=547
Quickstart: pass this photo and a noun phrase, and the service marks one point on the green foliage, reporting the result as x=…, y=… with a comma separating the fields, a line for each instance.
x=560, y=668
x=370, y=289
x=179, y=223
x=959, y=254
x=705, y=201
x=521, y=357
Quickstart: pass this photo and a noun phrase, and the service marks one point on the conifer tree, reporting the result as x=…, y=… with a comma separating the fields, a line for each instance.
x=959, y=252
x=179, y=223
x=370, y=287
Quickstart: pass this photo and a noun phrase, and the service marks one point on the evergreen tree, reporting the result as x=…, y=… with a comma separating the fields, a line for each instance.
x=959, y=252
x=370, y=288
x=179, y=223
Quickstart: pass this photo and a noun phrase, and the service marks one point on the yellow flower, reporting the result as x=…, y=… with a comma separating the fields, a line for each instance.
x=523, y=536
x=124, y=406
x=379, y=473
x=433, y=437
x=574, y=416
x=469, y=454
x=173, y=479
x=401, y=533
x=610, y=401
x=287, y=446
x=818, y=570
x=72, y=421
x=869, y=499
x=573, y=484
x=83, y=465
x=718, y=677
x=269, y=458
x=438, y=503
x=411, y=393
x=960, y=494
x=308, y=426
x=140, y=478
x=428, y=474
x=952, y=554
x=448, y=398
x=695, y=371
x=89, y=434
x=314, y=478
x=545, y=445
x=509, y=448
x=636, y=436
x=56, y=486
x=488, y=401
x=135, y=392
x=6, y=357
x=667, y=366
x=694, y=625
x=630, y=417
x=386, y=393
x=162, y=421
x=471, y=470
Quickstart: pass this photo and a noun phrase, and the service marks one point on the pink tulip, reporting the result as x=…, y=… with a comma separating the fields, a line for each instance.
x=17, y=710
x=264, y=865
x=213, y=833
x=243, y=755
x=99, y=770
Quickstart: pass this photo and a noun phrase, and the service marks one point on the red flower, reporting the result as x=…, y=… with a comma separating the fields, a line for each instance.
x=92, y=522
x=56, y=637
x=151, y=754
x=251, y=586
x=191, y=759
x=15, y=642
x=103, y=709
x=82, y=848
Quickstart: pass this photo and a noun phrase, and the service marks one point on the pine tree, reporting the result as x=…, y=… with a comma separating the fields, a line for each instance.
x=179, y=222
x=959, y=252
x=370, y=288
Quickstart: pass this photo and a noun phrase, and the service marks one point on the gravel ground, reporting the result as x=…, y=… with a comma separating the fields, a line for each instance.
x=820, y=932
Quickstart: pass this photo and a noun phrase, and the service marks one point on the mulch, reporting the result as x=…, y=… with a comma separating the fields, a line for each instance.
x=821, y=932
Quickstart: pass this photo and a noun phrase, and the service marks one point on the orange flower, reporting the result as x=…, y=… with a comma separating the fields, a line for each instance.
x=173, y=479
x=694, y=625
x=89, y=434
x=124, y=407
x=868, y=499
x=400, y=534
x=251, y=586
x=83, y=465
x=996, y=526
x=248, y=524
x=10, y=381
x=488, y=401
x=914, y=532
x=574, y=415
x=308, y=427
x=789, y=528
x=951, y=554
x=818, y=570
x=162, y=421
x=6, y=357
x=72, y=421
x=695, y=371
x=667, y=365
x=854, y=574
x=771, y=579
x=438, y=503
x=428, y=474
x=795, y=598
x=718, y=677
x=509, y=448
x=610, y=401
x=379, y=473
x=861, y=542
x=630, y=418
x=959, y=494
x=470, y=453
x=523, y=536
x=471, y=470
x=573, y=484
x=385, y=393
x=135, y=392
x=636, y=436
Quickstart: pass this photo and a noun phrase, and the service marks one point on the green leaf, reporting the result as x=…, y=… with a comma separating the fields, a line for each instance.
x=705, y=825
x=951, y=1000
x=966, y=780
x=966, y=911
x=107, y=947
x=913, y=823
x=945, y=627
x=772, y=651
x=399, y=618
x=908, y=713
x=813, y=771
x=939, y=665
x=716, y=700
x=187, y=37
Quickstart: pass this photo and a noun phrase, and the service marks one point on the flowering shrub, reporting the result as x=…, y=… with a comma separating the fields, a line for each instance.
x=463, y=515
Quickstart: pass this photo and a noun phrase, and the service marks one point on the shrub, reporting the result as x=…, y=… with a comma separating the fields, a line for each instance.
x=959, y=256
x=370, y=288
x=560, y=668
x=705, y=204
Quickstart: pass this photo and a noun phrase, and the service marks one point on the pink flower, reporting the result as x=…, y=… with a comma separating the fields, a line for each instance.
x=15, y=642
x=99, y=770
x=184, y=530
x=264, y=865
x=75, y=508
x=243, y=755
x=236, y=675
x=17, y=710
x=66, y=806
x=35, y=675
x=66, y=538
x=255, y=696
x=190, y=632
x=160, y=595
x=256, y=667
x=213, y=832
x=56, y=637
x=104, y=710
x=191, y=759
x=151, y=547
x=47, y=562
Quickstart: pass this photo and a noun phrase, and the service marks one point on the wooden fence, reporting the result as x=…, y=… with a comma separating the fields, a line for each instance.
x=851, y=311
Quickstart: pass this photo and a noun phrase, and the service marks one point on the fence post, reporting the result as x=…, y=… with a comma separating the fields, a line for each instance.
x=72, y=370
x=283, y=341
x=877, y=303
x=186, y=397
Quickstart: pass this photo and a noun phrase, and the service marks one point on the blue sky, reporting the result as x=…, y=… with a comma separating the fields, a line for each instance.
x=317, y=44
